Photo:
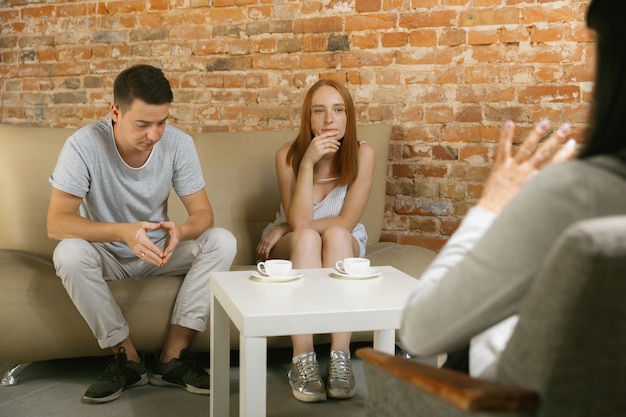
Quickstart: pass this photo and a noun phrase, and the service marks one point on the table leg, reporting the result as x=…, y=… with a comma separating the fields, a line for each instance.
x=220, y=360
x=252, y=376
x=385, y=340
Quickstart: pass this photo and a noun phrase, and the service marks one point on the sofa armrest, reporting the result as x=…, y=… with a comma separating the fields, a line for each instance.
x=457, y=389
x=410, y=259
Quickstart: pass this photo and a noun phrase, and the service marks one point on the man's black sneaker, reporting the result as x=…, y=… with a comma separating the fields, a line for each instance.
x=120, y=374
x=182, y=372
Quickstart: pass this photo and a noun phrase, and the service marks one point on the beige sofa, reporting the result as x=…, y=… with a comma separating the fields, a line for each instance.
x=38, y=320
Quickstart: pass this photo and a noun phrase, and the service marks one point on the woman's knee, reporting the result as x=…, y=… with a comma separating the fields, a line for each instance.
x=336, y=235
x=306, y=238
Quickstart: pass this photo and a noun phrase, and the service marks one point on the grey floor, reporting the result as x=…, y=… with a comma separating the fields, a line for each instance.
x=54, y=388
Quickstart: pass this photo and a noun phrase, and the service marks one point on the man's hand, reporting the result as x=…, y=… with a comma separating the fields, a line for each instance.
x=142, y=246
x=173, y=237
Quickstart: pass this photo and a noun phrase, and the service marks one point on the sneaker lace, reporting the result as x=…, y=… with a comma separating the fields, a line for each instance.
x=116, y=365
x=308, y=371
x=191, y=363
x=340, y=369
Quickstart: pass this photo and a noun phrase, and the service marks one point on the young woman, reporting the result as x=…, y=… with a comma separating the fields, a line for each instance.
x=325, y=178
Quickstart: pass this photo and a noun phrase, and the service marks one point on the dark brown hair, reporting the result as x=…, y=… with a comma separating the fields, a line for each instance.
x=143, y=82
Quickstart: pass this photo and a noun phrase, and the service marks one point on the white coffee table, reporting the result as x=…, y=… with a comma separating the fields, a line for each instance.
x=317, y=303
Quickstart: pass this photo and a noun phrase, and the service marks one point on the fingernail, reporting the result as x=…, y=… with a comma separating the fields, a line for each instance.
x=565, y=127
x=570, y=144
x=543, y=125
x=508, y=125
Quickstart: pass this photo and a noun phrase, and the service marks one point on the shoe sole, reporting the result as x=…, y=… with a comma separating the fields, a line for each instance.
x=117, y=394
x=307, y=398
x=341, y=395
x=102, y=400
x=158, y=381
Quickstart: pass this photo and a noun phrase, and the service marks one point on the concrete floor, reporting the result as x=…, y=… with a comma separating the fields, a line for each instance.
x=54, y=389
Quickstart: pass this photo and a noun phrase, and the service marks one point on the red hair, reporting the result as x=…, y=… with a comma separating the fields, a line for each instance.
x=345, y=162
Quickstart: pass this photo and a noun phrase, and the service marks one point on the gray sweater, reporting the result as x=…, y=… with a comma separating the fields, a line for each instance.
x=480, y=281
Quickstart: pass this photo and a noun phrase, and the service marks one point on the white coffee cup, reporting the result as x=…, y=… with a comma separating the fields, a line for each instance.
x=353, y=266
x=275, y=267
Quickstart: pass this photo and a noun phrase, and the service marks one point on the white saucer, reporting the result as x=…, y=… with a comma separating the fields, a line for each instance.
x=257, y=276
x=373, y=273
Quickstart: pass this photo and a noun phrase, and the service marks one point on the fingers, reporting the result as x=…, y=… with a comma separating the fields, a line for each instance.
x=150, y=257
x=149, y=252
x=538, y=153
x=506, y=140
x=262, y=251
x=527, y=148
x=547, y=151
x=326, y=142
x=566, y=152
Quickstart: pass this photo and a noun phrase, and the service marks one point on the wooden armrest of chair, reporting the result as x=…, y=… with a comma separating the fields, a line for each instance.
x=458, y=389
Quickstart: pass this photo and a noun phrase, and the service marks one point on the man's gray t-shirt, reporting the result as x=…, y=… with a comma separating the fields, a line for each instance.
x=91, y=168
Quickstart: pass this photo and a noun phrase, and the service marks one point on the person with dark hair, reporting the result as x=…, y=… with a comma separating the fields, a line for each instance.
x=473, y=289
x=325, y=177
x=108, y=209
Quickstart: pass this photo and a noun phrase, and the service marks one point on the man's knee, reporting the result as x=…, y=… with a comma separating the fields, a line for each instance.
x=73, y=252
x=220, y=240
x=72, y=257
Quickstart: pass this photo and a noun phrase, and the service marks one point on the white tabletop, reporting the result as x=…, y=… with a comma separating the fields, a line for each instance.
x=313, y=303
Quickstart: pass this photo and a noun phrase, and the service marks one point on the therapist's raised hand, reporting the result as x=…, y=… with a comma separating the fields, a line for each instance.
x=511, y=170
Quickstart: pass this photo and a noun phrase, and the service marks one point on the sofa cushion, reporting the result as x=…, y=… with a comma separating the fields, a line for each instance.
x=27, y=159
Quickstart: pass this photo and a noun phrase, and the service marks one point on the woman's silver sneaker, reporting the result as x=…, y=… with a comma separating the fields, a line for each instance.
x=340, y=380
x=305, y=379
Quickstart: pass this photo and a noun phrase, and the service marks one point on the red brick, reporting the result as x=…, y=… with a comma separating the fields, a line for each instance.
x=230, y=14
x=366, y=41
x=438, y=114
x=363, y=59
x=380, y=113
x=370, y=22
x=325, y=60
x=490, y=16
x=452, y=37
x=281, y=62
x=531, y=15
x=394, y=39
x=423, y=37
x=71, y=10
x=158, y=5
x=359, y=78
x=449, y=225
x=314, y=43
x=425, y=56
x=34, y=12
x=553, y=94
x=475, y=154
x=393, y=4
x=318, y=24
x=310, y=6
x=419, y=20
x=364, y=6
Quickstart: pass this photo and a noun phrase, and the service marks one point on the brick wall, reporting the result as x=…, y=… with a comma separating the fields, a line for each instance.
x=445, y=73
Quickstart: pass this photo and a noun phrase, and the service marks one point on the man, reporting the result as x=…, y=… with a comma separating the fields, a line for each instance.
x=108, y=208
